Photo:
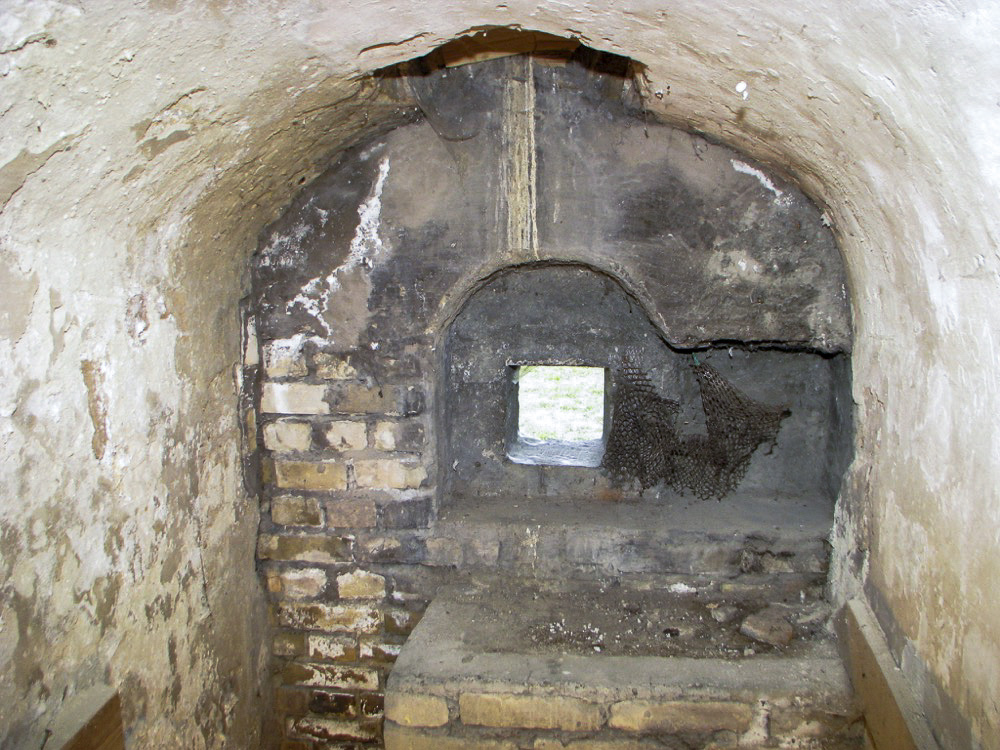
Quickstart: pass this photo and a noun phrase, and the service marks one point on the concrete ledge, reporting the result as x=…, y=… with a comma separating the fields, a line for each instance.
x=508, y=696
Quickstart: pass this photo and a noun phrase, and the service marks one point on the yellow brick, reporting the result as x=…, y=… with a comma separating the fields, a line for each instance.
x=351, y=513
x=380, y=547
x=293, y=398
x=329, y=675
x=360, y=584
x=385, y=436
x=319, y=728
x=312, y=548
x=332, y=647
x=404, y=738
x=311, y=475
x=377, y=650
x=359, y=398
x=298, y=583
x=288, y=510
x=389, y=474
x=283, y=358
x=530, y=712
x=284, y=435
x=680, y=716
x=331, y=618
x=344, y=436
x=407, y=435
x=289, y=644
x=334, y=367
x=412, y=710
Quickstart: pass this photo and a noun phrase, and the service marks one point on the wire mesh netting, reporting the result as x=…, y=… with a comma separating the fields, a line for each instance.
x=644, y=444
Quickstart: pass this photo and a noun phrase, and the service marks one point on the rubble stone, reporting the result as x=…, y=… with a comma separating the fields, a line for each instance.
x=768, y=626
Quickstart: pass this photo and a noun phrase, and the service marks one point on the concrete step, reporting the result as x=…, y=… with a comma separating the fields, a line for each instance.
x=568, y=537
x=481, y=671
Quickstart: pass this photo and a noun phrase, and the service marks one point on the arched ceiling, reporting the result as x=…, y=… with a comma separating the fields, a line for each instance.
x=155, y=139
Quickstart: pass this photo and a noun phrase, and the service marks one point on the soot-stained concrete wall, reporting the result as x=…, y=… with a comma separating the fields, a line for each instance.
x=520, y=162
x=137, y=158
x=390, y=297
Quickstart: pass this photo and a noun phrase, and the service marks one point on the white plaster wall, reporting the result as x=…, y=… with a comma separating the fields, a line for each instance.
x=142, y=151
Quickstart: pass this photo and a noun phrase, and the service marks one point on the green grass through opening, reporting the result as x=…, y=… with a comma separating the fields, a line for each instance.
x=561, y=402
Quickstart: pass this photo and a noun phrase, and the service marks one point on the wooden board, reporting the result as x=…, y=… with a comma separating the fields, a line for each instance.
x=892, y=715
x=104, y=731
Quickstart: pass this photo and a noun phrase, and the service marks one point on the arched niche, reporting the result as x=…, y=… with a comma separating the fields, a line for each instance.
x=547, y=314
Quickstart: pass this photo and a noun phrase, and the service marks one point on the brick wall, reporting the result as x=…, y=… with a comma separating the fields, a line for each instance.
x=347, y=499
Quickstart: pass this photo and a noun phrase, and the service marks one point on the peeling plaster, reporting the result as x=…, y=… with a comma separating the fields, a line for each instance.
x=94, y=380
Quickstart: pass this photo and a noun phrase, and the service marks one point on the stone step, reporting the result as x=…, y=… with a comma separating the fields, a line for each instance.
x=468, y=677
x=555, y=538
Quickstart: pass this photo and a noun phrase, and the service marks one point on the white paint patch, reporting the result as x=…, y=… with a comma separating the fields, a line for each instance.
x=764, y=180
x=365, y=247
x=309, y=300
x=283, y=250
x=681, y=588
x=287, y=349
x=250, y=354
x=366, y=243
x=741, y=89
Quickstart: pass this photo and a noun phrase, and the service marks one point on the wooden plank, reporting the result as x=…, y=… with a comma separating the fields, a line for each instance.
x=104, y=731
x=91, y=720
x=892, y=716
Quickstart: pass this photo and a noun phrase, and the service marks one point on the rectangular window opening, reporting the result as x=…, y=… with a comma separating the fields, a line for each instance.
x=560, y=415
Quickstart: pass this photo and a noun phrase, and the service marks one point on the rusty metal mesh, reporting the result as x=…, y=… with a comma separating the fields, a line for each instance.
x=645, y=446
